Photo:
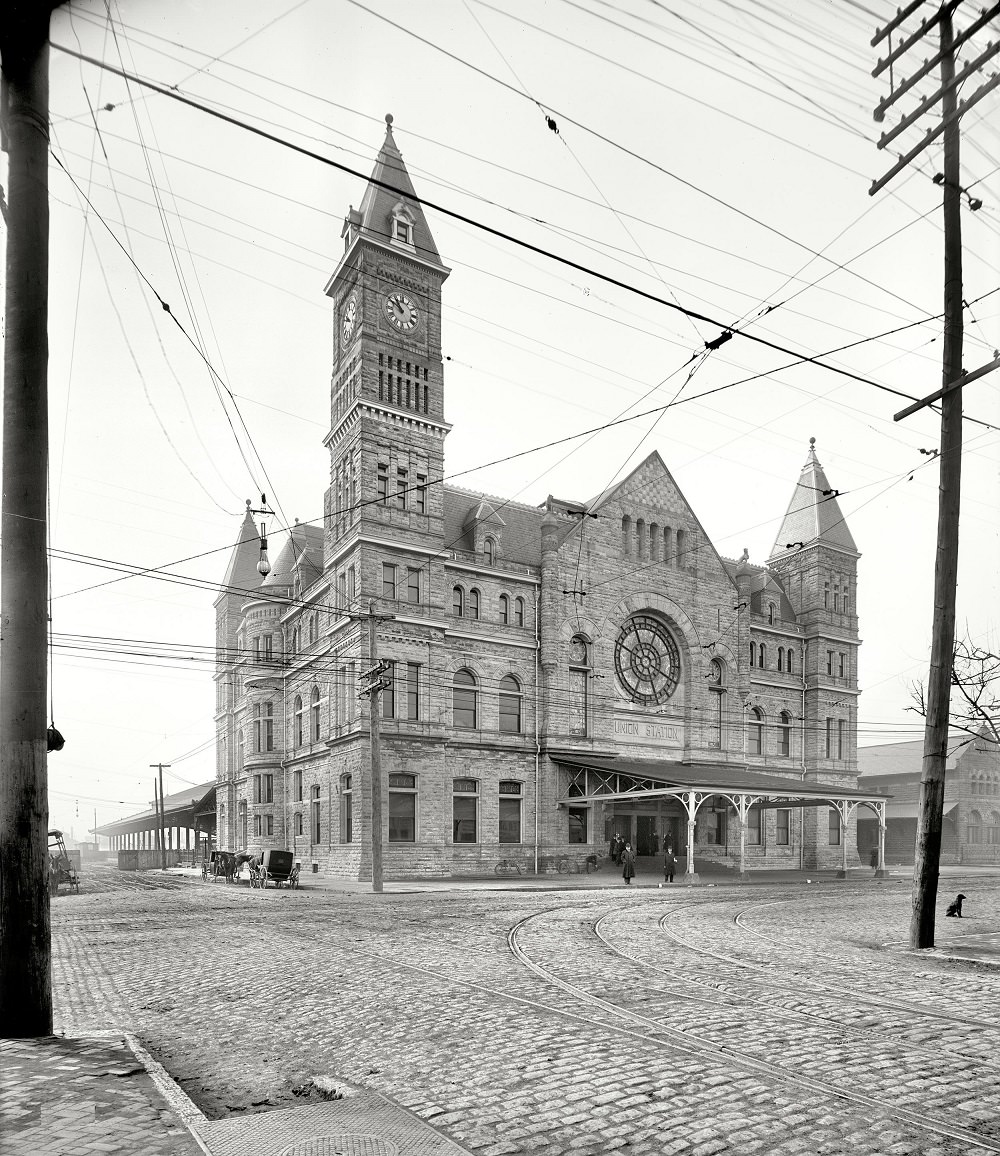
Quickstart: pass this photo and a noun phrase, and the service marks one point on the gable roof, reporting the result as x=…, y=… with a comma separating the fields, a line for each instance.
x=522, y=525
x=813, y=515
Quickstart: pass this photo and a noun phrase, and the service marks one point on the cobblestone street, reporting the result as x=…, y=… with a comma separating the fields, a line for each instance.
x=767, y=1019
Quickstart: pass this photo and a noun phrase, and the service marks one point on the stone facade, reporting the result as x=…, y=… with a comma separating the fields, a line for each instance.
x=517, y=635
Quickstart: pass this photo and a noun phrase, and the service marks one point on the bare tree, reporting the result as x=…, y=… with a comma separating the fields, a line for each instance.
x=975, y=699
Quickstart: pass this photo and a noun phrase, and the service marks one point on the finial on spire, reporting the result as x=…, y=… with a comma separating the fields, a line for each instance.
x=812, y=442
x=388, y=121
x=248, y=503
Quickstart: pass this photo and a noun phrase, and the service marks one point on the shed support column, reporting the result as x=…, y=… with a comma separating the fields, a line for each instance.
x=880, y=871
x=691, y=801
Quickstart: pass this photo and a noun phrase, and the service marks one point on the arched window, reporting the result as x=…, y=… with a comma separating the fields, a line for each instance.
x=314, y=712
x=717, y=715
x=473, y=608
x=295, y=640
x=788, y=660
x=490, y=549
x=239, y=751
x=458, y=601
x=770, y=613
x=975, y=831
x=298, y=720
x=781, y=658
x=993, y=835
x=755, y=732
x=626, y=535
x=762, y=656
x=640, y=538
x=465, y=712
x=785, y=734
x=681, y=554
x=668, y=545
x=579, y=685
x=510, y=705
x=753, y=653
x=654, y=542
x=504, y=609
x=518, y=611
x=298, y=822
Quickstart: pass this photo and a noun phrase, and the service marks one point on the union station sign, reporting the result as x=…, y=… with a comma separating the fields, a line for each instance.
x=638, y=730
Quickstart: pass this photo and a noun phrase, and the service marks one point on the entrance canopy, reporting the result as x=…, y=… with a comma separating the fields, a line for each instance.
x=597, y=779
x=594, y=778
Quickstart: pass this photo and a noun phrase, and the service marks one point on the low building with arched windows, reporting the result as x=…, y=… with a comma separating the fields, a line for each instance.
x=550, y=676
x=970, y=824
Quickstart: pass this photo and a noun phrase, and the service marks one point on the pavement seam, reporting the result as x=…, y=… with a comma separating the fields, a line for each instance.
x=190, y=1115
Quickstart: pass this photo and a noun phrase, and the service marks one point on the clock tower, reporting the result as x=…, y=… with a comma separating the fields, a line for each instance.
x=387, y=426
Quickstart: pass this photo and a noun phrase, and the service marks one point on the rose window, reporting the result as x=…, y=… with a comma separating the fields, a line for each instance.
x=647, y=660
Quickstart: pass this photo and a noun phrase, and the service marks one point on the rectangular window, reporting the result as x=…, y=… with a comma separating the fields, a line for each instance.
x=388, y=580
x=401, y=489
x=833, y=826
x=829, y=738
x=826, y=595
x=346, y=809
x=421, y=494
x=352, y=591
x=297, y=787
x=782, y=823
x=412, y=585
x=402, y=808
x=829, y=662
x=842, y=665
x=256, y=788
x=268, y=726
x=413, y=690
x=388, y=694
x=577, y=825
x=754, y=837
x=266, y=789
x=315, y=833
x=268, y=824
x=382, y=484
x=465, y=807
x=265, y=647
x=256, y=825
x=510, y=812
x=841, y=734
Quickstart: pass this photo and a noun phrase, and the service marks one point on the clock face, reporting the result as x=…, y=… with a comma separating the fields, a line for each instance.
x=647, y=660
x=401, y=311
x=350, y=318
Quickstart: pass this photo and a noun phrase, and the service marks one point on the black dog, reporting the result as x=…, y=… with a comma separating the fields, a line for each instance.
x=956, y=907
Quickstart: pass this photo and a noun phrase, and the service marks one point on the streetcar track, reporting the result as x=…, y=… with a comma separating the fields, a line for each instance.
x=650, y=1029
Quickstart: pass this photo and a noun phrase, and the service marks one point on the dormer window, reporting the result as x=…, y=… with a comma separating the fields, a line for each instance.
x=401, y=225
x=490, y=550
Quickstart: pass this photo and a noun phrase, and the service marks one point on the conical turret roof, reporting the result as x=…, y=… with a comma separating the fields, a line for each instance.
x=389, y=189
x=813, y=516
x=241, y=573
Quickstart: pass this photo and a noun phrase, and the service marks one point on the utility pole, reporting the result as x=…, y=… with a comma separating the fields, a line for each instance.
x=25, y=928
x=161, y=816
x=927, y=852
x=372, y=682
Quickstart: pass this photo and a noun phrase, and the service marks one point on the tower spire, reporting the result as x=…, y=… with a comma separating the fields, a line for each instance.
x=813, y=516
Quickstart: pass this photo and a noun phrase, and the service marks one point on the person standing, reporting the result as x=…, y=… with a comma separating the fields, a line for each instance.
x=874, y=859
x=628, y=864
x=669, y=864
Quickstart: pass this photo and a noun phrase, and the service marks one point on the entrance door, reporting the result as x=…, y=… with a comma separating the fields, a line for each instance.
x=645, y=835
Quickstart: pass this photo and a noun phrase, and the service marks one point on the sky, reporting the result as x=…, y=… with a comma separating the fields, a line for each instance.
x=711, y=158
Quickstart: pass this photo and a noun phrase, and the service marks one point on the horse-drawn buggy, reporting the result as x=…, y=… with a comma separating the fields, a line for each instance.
x=275, y=867
x=61, y=869
x=222, y=865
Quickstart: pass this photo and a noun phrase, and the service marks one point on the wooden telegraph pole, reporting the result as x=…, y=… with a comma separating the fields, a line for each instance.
x=25, y=945
x=931, y=806
x=372, y=682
